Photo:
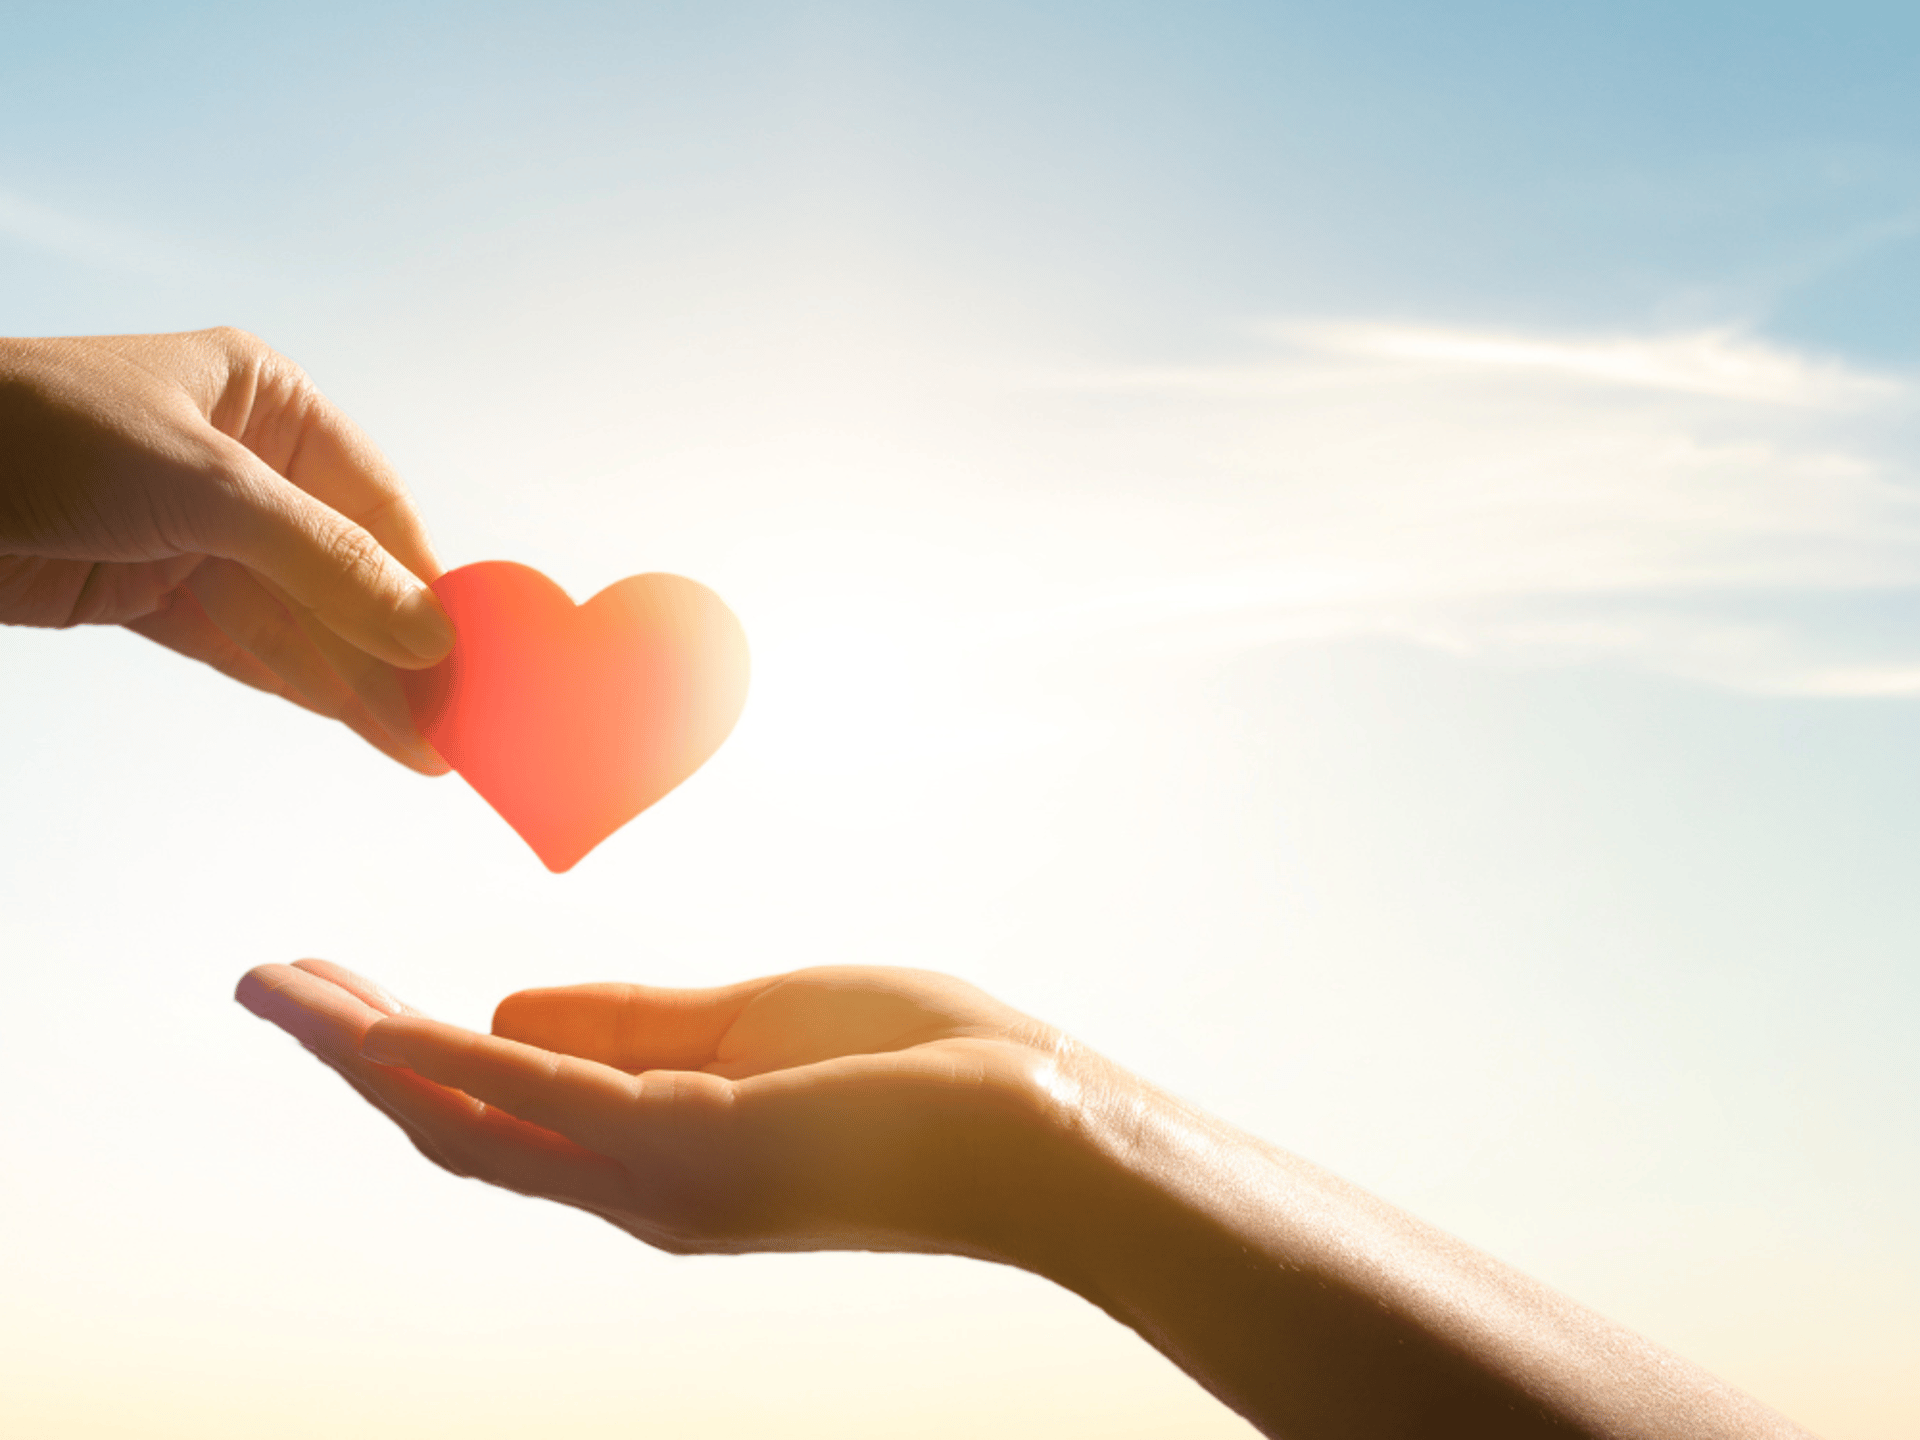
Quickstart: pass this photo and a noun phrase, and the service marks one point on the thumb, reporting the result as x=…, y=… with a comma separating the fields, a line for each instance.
x=333, y=567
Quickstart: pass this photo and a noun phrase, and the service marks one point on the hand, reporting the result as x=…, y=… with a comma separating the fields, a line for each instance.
x=898, y=1110
x=825, y=1109
x=197, y=489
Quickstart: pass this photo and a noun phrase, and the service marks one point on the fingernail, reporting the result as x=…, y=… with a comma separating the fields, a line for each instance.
x=423, y=627
x=273, y=1007
x=427, y=760
x=414, y=751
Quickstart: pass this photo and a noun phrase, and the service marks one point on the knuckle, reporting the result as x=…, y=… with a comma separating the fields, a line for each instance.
x=237, y=345
x=357, y=557
x=278, y=643
x=273, y=640
x=167, y=602
x=291, y=388
x=267, y=400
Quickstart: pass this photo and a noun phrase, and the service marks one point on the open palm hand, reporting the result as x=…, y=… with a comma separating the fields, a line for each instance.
x=829, y=1108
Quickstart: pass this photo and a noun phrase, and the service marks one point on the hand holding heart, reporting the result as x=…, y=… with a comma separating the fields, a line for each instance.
x=199, y=490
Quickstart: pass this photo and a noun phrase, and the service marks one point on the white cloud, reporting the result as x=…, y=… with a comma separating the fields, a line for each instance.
x=1709, y=362
x=1685, y=501
x=1709, y=503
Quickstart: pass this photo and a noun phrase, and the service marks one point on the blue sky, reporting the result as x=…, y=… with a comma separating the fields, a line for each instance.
x=1588, y=166
x=1366, y=559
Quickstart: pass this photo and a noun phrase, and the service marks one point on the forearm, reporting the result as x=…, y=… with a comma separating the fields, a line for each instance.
x=1317, y=1310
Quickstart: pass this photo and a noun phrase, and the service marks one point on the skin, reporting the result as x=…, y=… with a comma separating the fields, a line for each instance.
x=199, y=490
x=900, y=1110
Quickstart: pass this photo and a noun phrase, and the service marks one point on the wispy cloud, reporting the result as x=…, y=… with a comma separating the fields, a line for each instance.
x=1714, y=503
x=1721, y=363
x=1690, y=501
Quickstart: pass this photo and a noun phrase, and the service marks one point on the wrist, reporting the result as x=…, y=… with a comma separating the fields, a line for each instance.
x=1163, y=1216
x=1091, y=1154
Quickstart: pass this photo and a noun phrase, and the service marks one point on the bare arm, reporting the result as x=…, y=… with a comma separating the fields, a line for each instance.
x=1315, y=1309
x=899, y=1110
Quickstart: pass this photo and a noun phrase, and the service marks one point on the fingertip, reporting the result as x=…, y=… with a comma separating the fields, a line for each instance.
x=421, y=624
x=524, y=1008
x=510, y=1014
x=352, y=583
x=426, y=761
x=406, y=747
x=538, y=1018
x=274, y=993
x=254, y=993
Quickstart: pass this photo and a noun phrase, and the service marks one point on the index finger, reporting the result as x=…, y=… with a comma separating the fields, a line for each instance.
x=329, y=1009
x=309, y=501
x=271, y=405
x=331, y=566
x=341, y=467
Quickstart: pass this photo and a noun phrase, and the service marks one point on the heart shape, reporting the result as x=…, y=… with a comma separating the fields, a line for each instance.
x=571, y=719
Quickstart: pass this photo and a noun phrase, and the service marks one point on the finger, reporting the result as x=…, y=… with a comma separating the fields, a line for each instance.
x=454, y=1130
x=255, y=620
x=630, y=1027
x=273, y=407
x=592, y=1104
x=312, y=1009
x=359, y=1075
x=374, y=683
x=483, y=1143
x=422, y=760
x=334, y=567
x=183, y=626
x=362, y=989
x=474, y=1141
x=115, y=593
x=260, y=625
x=341, y=467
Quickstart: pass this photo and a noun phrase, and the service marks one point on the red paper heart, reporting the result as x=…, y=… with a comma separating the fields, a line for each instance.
x=572, y=719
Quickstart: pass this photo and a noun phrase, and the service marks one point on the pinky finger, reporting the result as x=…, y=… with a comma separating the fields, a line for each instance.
x=183, y=626
x=534, y=1176
x=477, y=1142
x=367, y=1093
